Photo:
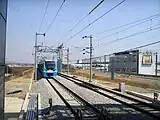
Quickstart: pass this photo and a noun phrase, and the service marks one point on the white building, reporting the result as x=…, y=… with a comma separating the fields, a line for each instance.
x=147, y=62
x=135, y=62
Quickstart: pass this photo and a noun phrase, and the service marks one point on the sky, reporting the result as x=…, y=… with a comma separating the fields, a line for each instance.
x=24, y=19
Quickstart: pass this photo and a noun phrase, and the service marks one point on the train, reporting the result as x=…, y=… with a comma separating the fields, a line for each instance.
x=50, y=68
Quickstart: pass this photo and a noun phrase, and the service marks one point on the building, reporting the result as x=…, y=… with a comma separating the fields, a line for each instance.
x=3, y=21
x=134, y=62
x=125, y=62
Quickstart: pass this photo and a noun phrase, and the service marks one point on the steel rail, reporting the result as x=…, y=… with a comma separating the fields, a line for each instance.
x=63, y=99
x=92, y=86
x=117, y=93
x=96, y=111
x=83, y=101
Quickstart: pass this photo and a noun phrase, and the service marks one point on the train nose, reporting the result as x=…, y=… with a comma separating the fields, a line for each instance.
x=49, y=74
x=49, y=71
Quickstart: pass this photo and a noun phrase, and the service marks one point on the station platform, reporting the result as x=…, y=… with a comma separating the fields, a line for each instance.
x=12, y=108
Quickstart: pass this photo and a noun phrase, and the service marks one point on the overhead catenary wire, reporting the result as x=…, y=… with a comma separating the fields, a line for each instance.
x=135, y=23
x=71, y=61
x=132, y=35
x=74, y=26
x=146, y=45
x=44, y=15
x=135, y=48
x=118, y=62
x=95, y=20
x=127, y=28
x=55, y=17
x=82, y=19
x=150, y=17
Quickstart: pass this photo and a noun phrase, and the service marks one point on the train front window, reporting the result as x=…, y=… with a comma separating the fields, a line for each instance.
x=50, y=65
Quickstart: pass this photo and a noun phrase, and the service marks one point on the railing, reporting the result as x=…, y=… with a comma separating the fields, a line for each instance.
x=32, y=108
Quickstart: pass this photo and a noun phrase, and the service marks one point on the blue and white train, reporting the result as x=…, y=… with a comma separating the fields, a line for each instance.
x=50, y=68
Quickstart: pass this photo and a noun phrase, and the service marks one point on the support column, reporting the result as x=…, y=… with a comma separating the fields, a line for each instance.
x=112, y=68
x=105, y=63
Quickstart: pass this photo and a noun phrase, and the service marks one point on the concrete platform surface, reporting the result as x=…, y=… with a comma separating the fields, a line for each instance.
x=12, y=107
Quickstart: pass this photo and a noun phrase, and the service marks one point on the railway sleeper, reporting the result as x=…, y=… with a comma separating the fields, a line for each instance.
x=78, y=113
x=138, y=108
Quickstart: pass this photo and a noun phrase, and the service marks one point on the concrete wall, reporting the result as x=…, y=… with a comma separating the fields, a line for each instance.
x=3, y=20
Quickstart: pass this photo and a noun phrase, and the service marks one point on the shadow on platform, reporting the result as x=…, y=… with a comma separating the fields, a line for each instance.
x=11, y=116
x=112, y=112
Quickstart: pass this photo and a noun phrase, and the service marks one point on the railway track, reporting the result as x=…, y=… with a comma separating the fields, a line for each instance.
x=85, y=110
x=143, y=106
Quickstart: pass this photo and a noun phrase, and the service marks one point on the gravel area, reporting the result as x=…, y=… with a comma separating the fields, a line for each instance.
x=133, y=83
x=17, y=87
x=115, y=109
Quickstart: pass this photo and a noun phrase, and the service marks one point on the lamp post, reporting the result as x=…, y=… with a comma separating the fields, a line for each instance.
x=35, y=55
x=90, y=47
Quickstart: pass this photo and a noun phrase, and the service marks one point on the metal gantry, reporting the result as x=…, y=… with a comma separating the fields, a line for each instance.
x=40, y=50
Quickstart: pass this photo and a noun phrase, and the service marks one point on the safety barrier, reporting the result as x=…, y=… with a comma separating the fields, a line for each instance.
x=32, y=108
